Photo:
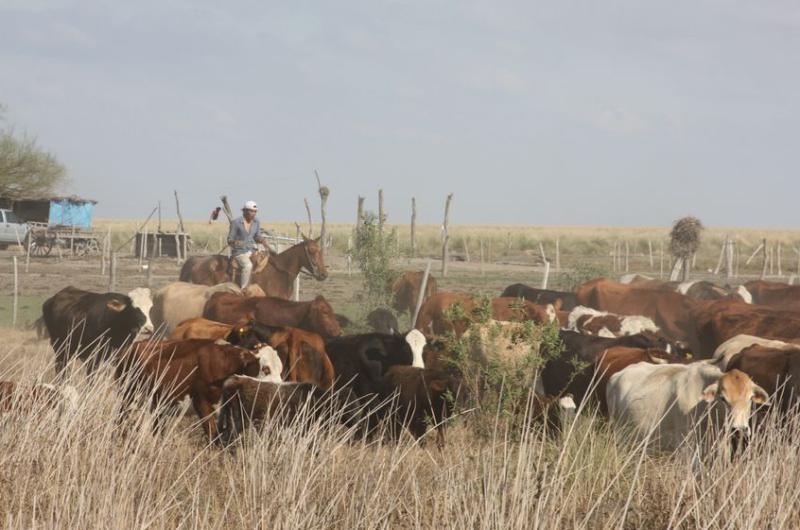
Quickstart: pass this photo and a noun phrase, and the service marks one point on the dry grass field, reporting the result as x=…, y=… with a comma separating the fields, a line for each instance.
x=80, y=468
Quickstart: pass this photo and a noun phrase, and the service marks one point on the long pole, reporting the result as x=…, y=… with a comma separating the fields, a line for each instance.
x=421, y=295
x=112, y=272
x=297, y=278
x=16, y=294
x=445, y=235
x=28, y=251
x=413, y=227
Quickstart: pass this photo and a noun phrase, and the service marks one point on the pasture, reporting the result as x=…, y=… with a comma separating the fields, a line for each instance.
x=81, y=469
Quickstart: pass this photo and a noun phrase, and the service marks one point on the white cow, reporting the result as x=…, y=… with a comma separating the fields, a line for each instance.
x=179, y=301
x=665, y=400
x=725, y=351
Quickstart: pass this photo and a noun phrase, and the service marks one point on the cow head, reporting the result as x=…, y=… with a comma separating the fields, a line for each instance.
x=416, y=341
x=322, y=319
x=122, y=318
x=736, y=392
x=314, y=261
x=142, y=299
x=270, y=364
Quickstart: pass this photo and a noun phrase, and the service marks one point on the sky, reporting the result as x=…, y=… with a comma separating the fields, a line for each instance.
x=570, y=112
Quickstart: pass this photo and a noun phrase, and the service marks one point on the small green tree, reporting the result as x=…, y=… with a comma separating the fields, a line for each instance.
x=25, y=168
x=374, y=252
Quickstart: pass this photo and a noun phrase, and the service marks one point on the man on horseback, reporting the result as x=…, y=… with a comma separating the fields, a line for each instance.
x=244, y=233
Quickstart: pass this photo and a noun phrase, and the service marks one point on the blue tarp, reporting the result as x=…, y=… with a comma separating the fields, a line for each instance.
x=69, y=213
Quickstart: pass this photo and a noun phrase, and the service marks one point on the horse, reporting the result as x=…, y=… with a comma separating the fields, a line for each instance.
x=276, y=278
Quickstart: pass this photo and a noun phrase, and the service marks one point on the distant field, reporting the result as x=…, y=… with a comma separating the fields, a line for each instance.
x=577, y=244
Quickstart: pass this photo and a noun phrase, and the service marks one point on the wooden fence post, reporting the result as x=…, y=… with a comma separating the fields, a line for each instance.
x=766, y=260
x=446, y=235
x=650, y=252
x=177, y=249
x=297, y=278
x=421, y=295
x=558, y=256
x=482, y=258
x=780, y=272
x=112, y=272
x=546, y=274
x=729, y=271
x=178, y=211
x=413, y=227
x=72, y=242
x=324, y=193
x=722, y=254
x=28, y=251
x=310, y=225
x=661, y=259
x=627, y=256
x=466, y=247
x=15, y=301
x=381, y=213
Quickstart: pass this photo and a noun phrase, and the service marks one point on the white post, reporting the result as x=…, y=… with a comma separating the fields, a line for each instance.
x=650, y=250
x=546, y=274
x=297, y=278
x=28, y=251
x=421, y=294
x=16, y=294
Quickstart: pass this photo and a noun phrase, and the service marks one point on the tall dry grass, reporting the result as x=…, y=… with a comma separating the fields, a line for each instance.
x=81, y=469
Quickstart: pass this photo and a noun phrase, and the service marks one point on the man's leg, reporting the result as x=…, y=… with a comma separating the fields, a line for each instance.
x=245, y=268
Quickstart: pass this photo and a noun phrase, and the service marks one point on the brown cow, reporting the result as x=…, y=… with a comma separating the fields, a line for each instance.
x=615, y=359
x=774, y=294
x=302, y=353
x=420, y=394
x=773, y=369
x=405, y=290
x=316, y=315
x=726, y=319
x=195, y=368
x=433, y=317
x=673, y=313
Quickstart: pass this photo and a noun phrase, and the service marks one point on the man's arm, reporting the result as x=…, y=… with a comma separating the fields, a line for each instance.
x=232, y=241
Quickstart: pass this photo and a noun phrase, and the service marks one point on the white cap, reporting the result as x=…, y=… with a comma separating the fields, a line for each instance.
x=250, y=205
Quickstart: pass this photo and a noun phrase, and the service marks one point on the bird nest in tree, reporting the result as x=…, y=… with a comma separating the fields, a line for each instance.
x=685, y=237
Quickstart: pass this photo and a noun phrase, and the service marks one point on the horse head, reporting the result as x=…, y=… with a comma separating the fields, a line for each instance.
x=314, y=261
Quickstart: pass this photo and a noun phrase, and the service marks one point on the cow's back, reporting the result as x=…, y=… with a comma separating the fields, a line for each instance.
x=179, y=301
x=205, y=270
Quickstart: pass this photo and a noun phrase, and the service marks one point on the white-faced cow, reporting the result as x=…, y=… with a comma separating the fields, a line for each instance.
x=666, y=401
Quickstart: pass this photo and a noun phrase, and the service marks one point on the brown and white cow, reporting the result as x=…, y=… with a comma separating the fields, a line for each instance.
x=604, y=324
x=777, y=370
x=172, y=370
x=665, y=402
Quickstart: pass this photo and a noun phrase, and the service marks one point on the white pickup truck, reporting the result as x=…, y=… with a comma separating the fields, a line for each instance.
x=12, y=230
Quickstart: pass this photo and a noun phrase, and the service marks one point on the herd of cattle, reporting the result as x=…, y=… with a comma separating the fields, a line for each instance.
x=654, y=356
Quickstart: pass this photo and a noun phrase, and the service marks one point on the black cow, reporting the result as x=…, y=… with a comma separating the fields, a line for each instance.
x=383, y=320
x=571, y=370
x=541, y=296
x=90, y=326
